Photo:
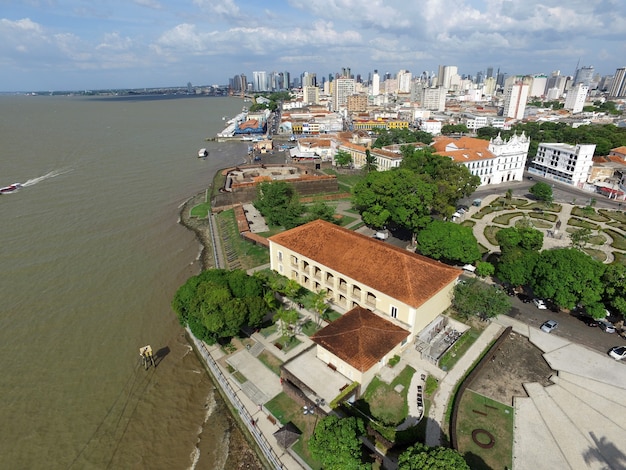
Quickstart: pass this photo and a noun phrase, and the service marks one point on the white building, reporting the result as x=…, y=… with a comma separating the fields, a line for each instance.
x=576, y=96
x=434, y=98
x=311, y=95
x=375, y=83
x=431, y=126
x=515, y=97
x=563, y=162
x=494, y=162
x=342, y=88
x=404, y=81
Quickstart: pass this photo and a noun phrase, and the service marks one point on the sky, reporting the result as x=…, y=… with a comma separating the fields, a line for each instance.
x=88, y=45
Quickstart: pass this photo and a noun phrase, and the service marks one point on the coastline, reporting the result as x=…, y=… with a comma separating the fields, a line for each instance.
x=242, y=450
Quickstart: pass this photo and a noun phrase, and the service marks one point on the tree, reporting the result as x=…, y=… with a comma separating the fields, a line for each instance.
x=319, y=210
x=320, y=306
x=448, y=241
x=454, y=129
x=568, y=277
x=287, y=319
x=422, y=457
x=474, y=297
x=614, y=279
x=217, y=303
x=279, y=204
x=484, y=269
x=542, y=191
x=523, y=236
x=335, y=443
x=399, y=196
x=343, y=158
x=370, y=162
x=580, y=237
x=516, y=265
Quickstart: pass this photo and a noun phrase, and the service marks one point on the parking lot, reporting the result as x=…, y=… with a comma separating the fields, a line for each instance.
x=570, y=327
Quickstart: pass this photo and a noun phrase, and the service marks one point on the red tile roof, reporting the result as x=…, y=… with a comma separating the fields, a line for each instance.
x=400, y=274
x=360, y=338
x=467, y=149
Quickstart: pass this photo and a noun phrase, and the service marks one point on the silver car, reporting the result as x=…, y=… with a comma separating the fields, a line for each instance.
x=549, y=326
x=606, y=326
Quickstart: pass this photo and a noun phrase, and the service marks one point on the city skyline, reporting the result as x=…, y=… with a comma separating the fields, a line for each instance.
x=72, y=45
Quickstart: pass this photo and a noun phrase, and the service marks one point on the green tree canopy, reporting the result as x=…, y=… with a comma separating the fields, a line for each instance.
x=516, y=266
x=394, y=196
x=569, y=277
x=614, y=279
x=474, y=297
x=401, y=136
x=422, y=457
x=335, y=443
x=454, y=129
x=448, y=241
x=343, y=158
x=218, y=303
x=279, y=203
x=453, y=181
x=542, y=191
x=319, y=210
x=523, y=236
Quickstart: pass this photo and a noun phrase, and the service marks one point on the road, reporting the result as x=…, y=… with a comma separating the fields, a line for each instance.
x=570, y=327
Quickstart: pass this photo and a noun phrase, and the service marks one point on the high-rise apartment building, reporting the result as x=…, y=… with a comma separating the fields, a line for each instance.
x=515, y=98
x=618, y=87
x=404, y=81
x=584, y=75
x=538, y=85
x=259, y=81
x=311, y=94
x=576, y=96
x=375, y=83
x=342, y=88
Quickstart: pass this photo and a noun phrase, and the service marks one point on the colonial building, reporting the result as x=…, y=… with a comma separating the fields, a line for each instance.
x=563, y=162
x=495, y=161
x=405, y=288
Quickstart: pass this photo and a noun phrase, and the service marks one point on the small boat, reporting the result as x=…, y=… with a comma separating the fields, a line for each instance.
x=203, y=153
x=11, y=188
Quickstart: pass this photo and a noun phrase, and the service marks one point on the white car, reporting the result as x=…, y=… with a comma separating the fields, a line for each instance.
x=606, y=326
x=540, y=304
x=549, y=326
x=618, y=352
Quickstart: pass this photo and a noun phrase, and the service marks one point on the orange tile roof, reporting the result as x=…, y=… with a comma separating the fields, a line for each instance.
x=400, y=274
x=621, y=150
x=360, y=338
x=469, y=149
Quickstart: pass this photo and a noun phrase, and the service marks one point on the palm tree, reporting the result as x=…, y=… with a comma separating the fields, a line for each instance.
x=321, y=306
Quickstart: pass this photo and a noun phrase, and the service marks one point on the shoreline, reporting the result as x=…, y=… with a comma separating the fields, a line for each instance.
x=243, y=452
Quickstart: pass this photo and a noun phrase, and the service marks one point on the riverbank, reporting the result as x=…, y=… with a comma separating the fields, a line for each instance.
x=241, y=454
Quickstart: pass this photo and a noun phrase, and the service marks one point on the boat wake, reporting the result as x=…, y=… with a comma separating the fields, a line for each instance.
x=49, y=175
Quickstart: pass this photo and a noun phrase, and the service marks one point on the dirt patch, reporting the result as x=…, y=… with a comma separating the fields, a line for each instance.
x=516, y=362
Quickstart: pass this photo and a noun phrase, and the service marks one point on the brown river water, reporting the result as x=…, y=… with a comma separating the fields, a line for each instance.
x=91, y=255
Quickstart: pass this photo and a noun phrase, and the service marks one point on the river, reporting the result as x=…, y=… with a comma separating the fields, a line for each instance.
x=91, y=256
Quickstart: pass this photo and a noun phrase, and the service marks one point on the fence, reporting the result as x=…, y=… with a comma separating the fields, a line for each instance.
x=231, y=394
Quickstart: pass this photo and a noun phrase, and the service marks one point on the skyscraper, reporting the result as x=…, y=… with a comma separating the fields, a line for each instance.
x=584, y=75
x=576, y=96
x=259, y=81
x=343, y=87
x=515, y=97
x=375, y=83
x=618, y=87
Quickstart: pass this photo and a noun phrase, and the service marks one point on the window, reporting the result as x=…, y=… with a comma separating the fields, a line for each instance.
x=280, y=256
x=394, y=312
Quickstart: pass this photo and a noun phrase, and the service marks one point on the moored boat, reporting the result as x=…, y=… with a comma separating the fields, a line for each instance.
x=202, y=153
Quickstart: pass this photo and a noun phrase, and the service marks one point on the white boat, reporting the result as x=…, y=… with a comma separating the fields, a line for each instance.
x=10, y=188
x=203, y=153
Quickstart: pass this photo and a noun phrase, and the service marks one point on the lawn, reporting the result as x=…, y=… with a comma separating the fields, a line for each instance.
x=479, y=412
x=201, y=211
x=542, y=215
x=576, y=222
x=620, y=257
x=385, y=404
x=589, y=214
x=505, y=219
x=514, y=202
x=247, y=254
x=619, y=240
x=460, y=347
x=270, y=361
x=615, y=215
x=598, y=255
x=285, y=410
x=287, y=343
x=490, y=234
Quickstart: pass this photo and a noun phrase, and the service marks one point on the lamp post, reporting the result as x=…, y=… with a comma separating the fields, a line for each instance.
x=310, y=410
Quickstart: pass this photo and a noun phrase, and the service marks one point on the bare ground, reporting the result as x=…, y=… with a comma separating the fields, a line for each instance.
x=516, y=362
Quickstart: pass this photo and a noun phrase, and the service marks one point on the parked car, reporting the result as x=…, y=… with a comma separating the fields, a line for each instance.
x=606, y=326
x=618, y=352
x=524, y=298
x=540, y=304
x=587, y=320
x=549, y=326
